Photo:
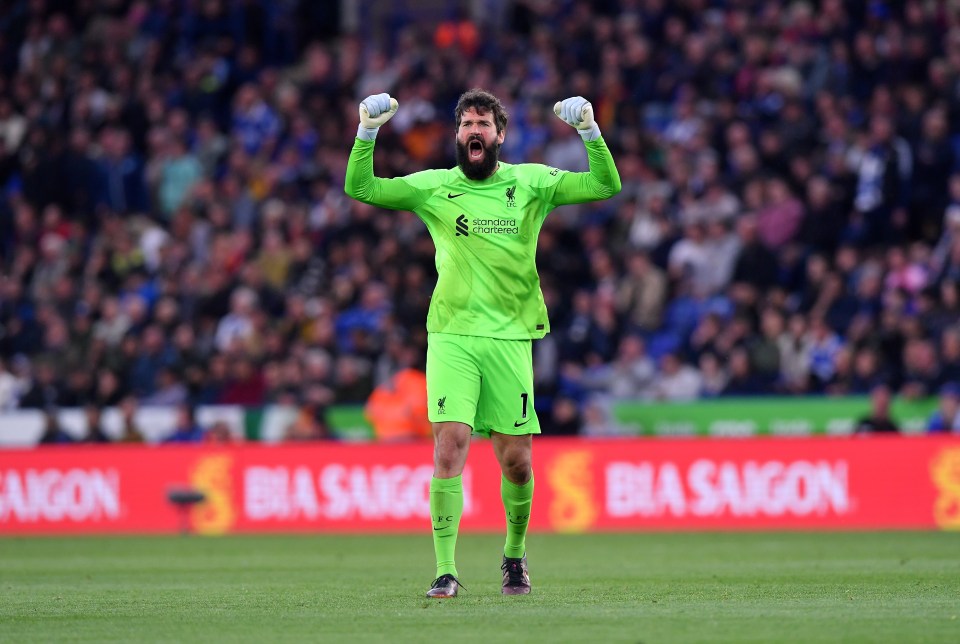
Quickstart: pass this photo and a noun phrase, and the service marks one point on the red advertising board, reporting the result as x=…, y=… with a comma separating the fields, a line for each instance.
x=635, y=484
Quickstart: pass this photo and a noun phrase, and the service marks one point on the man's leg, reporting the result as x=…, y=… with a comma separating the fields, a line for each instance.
x=453, y=388
x=516, y=490
x=451, y=442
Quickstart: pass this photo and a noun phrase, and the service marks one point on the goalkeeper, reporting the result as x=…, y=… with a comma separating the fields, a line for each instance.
x=484, y=216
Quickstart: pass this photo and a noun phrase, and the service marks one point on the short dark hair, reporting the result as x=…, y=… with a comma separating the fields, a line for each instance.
x=482, y=101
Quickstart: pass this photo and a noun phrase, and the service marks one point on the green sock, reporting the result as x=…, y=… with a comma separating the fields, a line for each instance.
x=446, y=507
x=516, y=502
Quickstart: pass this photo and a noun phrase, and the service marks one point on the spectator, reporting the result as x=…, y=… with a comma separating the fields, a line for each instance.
x=756, y=265
x=867, y=372
x=563, y=420
x=779, y=220
x=714, y=375
x=883, y=168
x=122, y=173
x=9, y=388
x=113, y=322
x=397, y=408
x=44, y=391
x=598, y=421
x=128, y=412
x=366, y=318
x=934, y=160
x=94, y=421
x=352, y=380
x=219, y=434
x=825, y=345
x=723, y=248
x=185, y=429
x=53, y=432
x=921, y=369
x=764, y=351
x=824, y=222
x=627, y=377
x=743, y=381
x=255, y=124
x=651, y=225
x=947, y=417
x=904, y=274
x=244, y=385
x=154, y=356
x=13, y=126
x=236, y=328
x=676, y=381
x=310, y=423
x=950, y=355
x=168, y=391
x=108, y=390
x=878, y=420
x=690, y=259
x=706, y=336
x=950, y=229
x=841, y=382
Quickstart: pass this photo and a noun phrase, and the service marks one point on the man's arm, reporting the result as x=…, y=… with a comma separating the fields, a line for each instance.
x=362, y=185
x=360, y=182
x=603, y=180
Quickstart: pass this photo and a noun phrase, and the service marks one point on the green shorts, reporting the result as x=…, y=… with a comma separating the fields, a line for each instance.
x=485, y=383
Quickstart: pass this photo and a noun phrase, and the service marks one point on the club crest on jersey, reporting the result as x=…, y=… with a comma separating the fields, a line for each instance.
x=442, y=405
x=511, y=201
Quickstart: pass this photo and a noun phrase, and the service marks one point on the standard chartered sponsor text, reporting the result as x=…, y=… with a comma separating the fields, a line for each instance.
x=495, y=226
x=710, y=488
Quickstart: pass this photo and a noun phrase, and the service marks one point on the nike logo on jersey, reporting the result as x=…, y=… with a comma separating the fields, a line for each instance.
x=450, y=195
x=516, y=424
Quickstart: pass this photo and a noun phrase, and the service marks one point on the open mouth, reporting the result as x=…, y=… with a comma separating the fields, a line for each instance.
x=475, y=150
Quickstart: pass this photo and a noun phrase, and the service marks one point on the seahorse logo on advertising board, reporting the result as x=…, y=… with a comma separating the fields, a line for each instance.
x=574, y=506
x=945, y=473
x=212, y=476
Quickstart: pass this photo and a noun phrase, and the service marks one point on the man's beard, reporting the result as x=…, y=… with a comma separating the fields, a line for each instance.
x=478, y=170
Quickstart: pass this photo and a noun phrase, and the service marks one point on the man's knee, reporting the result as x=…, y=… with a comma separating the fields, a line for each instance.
x=517, y=466
x=451, y=443
x=447, y=455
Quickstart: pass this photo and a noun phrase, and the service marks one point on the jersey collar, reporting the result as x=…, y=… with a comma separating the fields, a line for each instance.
x=501, y=166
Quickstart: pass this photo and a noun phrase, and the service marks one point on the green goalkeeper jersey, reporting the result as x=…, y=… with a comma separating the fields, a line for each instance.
x=485, y=233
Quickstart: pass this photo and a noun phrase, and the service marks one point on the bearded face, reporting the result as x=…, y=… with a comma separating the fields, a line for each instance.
x=478, y=145
x=478, y=160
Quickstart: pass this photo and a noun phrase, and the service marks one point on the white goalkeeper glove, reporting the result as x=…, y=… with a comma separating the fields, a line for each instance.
x=578, y=112
x=375, y=110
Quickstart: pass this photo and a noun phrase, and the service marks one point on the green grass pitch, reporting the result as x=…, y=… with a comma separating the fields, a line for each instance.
x=706, y=587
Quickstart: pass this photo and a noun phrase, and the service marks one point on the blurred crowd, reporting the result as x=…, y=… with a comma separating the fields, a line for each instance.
x=173, y=227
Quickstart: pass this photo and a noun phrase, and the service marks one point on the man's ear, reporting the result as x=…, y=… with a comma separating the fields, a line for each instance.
x=500, y=136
